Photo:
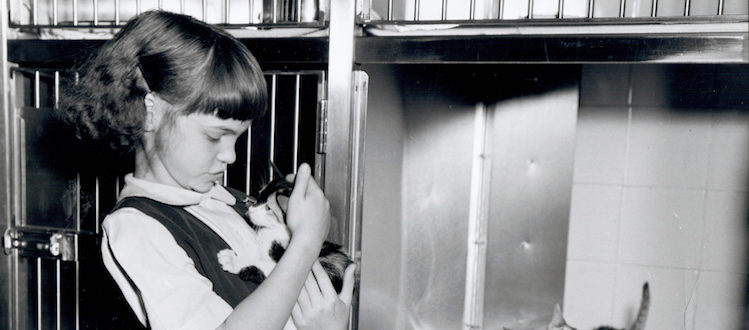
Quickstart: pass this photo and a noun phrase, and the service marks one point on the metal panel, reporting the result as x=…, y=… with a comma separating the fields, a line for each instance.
x=5, y=169
x=431, y=126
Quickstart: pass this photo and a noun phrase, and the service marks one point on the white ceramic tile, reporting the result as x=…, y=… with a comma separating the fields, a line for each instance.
x=725, y=242
x=729, y=155
x=668, y=148
x=661, y=227
x=594, y=220
x=672, y=296
x=588, y=293
x=604, y=84
x=600, y=145
x=720, y=300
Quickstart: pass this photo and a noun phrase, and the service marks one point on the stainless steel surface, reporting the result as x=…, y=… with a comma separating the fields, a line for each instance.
x=415, y=244
x=727, y=43
x=338, y=152
x=6, y=181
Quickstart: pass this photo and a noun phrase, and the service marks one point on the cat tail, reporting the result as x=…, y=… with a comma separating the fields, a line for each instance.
x=642, y=315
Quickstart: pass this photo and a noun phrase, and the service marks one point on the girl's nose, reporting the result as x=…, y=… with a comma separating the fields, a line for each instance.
x=227, y=154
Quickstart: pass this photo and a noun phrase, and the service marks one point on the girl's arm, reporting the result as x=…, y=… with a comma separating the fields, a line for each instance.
x=308, y=218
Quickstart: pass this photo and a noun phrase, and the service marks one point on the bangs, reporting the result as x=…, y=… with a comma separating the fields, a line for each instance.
x=230, y=84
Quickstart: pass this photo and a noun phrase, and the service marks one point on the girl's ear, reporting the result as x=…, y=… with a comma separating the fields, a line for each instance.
x=150, y=102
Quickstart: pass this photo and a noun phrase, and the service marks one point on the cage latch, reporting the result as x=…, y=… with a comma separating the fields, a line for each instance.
x=40, y=242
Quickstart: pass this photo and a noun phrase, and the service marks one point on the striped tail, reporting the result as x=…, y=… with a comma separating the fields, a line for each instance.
x=642, y=315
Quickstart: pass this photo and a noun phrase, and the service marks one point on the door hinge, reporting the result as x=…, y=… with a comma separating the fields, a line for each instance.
x=322, y=126
x=41, y=242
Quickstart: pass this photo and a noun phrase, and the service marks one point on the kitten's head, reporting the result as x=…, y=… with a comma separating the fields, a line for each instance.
x=557, y=321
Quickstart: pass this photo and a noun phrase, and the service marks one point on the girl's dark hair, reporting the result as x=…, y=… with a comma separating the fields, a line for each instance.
x=190, y=64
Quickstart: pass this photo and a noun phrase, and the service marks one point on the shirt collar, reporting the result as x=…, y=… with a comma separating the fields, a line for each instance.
x=135, y=187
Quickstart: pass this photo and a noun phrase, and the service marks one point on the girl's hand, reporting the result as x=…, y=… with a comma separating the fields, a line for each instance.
x=318, y=306
x=308, y=214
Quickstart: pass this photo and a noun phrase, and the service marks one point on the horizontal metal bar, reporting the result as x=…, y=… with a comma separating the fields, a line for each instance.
x=690, y=48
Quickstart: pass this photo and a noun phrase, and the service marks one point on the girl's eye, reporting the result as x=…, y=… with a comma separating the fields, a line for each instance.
x=213, y=138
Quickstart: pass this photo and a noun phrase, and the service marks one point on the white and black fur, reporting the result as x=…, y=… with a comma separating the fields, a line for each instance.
x=267, y=216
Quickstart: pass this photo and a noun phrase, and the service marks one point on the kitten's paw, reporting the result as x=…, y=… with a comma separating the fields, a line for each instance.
x=229, y=261
x=252, y=274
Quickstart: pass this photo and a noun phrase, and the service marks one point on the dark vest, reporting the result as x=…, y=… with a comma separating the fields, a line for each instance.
x=199, y=241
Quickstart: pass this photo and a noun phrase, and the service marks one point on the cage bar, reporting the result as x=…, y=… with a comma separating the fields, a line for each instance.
x=622, y=5
x=35, y=12
x=721, y=7
x=75, y=12
x=417, y=9
x=390, y=10
x=560, y=9
x=57, y=89
x=248, y=182
x=54, y=12
x=226, y=11
x=591, y=4
x=274, y=86
x=97, y=207
x=530, y=9
x=501, y=9
x=58, y=306
x=444, y=10
x=96, y=12
x=116, y=12
x=654, y=9
x=687, y=8
x=39, y=293
x=37, y=91
x=297, y=109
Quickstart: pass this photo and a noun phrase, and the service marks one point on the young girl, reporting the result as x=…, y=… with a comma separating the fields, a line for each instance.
x=178, y=93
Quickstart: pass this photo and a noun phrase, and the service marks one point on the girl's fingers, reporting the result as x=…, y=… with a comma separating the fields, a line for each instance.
x=323, y=281
x=296, y=313
x=304, y=301
x=313, y=291
x=347, y=291
x=301, y=181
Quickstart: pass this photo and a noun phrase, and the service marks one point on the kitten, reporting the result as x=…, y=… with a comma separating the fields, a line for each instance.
x=268, y=218
x=558, y=322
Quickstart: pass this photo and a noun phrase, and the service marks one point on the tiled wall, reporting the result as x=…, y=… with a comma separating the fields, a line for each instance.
x=660, y=194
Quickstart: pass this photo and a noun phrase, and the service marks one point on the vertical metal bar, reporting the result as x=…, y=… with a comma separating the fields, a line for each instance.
x=77, y=293
x=58, y=306
x=687, y=8
x=622, y=5
x=417, y=8
x=75, y=12
x=116, y=12
x=530, y=9
x=34, y=12
x=560, y=9
x=137, y=7
x=54, y=12
x=390, y=10
x=97, y=207
x=182, y=6
x=298, y=11
x=444, y=10
x=654, y=8
x=226, y=11
x=37, y=92
x=472, y=8
x=161, y=4
x=338, y=141
x=204, y=5
x=721, y=6
x=96, y=12
x=78, y=200
x=591, y=5
x=273, y=92
x=473, y=307
x=39, y=293
x=356, y=191
x=57, y=89
x=297, y=108
x=501, y=9
x=248, y=169
x=274, y=19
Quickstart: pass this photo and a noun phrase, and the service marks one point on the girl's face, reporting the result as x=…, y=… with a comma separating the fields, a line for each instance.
x=193, y=151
